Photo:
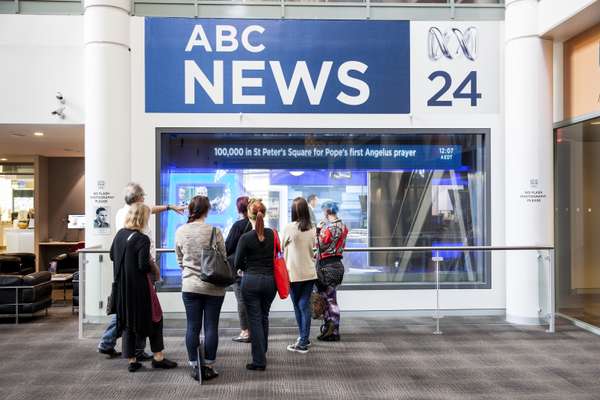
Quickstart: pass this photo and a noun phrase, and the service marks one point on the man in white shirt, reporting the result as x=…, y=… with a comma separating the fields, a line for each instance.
x=133, y=194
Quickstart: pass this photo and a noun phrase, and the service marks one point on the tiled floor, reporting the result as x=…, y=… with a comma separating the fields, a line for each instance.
x=378, y=358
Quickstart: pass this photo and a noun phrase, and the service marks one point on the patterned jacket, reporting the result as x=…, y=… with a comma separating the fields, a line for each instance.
x=332, y=239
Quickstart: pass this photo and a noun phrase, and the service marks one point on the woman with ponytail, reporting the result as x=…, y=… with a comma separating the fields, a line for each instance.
x=254, y=256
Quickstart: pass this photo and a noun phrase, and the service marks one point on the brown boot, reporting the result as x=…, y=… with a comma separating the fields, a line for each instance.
x=326, y=331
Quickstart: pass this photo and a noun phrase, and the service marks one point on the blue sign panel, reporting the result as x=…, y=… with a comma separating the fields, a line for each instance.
x=277, y=66
x=343, y=157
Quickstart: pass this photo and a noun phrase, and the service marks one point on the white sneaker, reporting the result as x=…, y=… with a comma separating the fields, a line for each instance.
x=297, y=348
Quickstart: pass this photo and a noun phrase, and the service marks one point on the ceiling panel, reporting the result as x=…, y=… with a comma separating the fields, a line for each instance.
x=58, y=140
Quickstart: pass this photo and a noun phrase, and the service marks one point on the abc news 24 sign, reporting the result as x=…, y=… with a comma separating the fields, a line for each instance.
x=315, y=66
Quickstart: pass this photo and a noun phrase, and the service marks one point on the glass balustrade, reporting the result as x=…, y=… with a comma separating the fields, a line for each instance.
x=430, y=285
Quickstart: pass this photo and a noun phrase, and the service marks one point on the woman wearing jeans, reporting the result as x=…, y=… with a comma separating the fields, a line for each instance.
x=298, y=240
x=202, y=300
x=254, y=256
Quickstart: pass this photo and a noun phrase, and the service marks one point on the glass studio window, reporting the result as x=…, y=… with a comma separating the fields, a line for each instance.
x=393, y=190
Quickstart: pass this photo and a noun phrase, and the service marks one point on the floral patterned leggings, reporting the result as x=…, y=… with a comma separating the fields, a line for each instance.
x=332, y=310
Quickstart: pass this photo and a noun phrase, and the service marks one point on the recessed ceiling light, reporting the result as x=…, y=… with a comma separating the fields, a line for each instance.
x=17, y=134
x=38, y=133
x=3, y=159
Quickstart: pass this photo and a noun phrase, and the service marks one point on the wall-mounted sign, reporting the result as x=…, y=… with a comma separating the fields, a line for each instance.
x=321, y=66
x=455, y=66
x=277, y=66
x=102, y=215
x=392, y=157
x=534, y=194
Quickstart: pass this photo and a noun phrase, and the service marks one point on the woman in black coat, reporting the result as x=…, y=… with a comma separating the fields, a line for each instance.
x=138, y=309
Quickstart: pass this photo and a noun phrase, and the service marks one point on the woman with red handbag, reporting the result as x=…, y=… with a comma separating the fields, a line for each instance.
x=254, y=256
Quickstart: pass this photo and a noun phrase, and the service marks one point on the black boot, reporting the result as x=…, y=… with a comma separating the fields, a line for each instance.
x=134, y=366
x=195, y=373
x=331, y=338
x=326, y=331
x=164, y=364
x=208, y=373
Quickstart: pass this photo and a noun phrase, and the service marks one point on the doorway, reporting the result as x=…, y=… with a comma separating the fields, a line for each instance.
x=577, y=215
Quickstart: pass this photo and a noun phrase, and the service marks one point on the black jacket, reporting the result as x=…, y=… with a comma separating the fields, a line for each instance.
x=130, y=253
x=237, y=230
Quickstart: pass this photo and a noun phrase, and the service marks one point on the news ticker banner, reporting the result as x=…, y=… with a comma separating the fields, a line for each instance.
x=354, y=157
x=320, y=66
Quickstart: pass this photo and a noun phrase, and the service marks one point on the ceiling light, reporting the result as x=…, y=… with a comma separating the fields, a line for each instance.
x=38, y=133
x=17, y=134
x=3, y=159
x=296, y=173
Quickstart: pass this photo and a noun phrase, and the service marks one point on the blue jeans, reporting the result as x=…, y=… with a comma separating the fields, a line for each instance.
x=300, y=294
x=258, y=292
x=109, y=338
x=201, y=309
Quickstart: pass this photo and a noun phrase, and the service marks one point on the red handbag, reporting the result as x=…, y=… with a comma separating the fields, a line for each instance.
x=280, y=272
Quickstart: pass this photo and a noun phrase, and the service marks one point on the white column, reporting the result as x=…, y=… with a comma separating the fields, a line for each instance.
x=107, y=130
x=529, y=157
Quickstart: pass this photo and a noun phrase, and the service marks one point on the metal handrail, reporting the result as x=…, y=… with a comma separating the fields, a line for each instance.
x=437, y=258
x=381, y=249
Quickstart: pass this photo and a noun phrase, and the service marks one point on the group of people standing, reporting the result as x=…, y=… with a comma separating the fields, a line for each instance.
x=312, y=253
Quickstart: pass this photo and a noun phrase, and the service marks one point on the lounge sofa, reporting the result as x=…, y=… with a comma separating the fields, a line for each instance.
x=67, y=263
x=25, y=295
x=17, y=263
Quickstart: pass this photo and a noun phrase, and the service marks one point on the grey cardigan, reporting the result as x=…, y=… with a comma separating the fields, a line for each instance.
x=189, y=241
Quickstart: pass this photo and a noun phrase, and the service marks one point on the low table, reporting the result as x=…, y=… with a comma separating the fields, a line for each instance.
x=64, y=279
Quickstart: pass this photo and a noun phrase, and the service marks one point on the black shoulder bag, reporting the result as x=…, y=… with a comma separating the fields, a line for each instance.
x=215, y=268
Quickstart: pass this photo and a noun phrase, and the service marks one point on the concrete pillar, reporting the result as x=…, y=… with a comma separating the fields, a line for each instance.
x=107, y=131
x=529, y=158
